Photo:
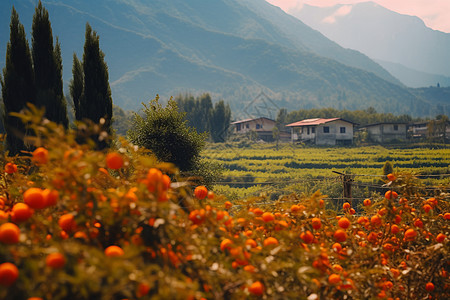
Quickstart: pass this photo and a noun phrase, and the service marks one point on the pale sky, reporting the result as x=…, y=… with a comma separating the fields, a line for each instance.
x=435, y=13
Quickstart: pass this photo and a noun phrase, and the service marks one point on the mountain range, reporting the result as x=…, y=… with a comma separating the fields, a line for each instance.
x=417, y=55
x=234, y=49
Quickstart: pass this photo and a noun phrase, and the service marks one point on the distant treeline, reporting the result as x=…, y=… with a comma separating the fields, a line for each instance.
x=203, y=116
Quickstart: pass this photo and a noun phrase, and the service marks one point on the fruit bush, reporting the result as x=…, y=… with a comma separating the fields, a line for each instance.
x=76, y=223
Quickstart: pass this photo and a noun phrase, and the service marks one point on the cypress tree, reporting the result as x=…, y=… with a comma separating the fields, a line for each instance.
x=77, y=85
x=220, y=121
x=47, y=68
x=96, y=101
x=18, y=85
x=60, y=99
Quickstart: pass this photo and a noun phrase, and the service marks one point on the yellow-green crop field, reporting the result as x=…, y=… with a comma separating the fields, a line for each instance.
x=304, y=169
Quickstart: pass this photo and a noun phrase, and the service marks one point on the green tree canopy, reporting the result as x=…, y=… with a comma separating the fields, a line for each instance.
x=95, y=102
x=164, y=131
x=220, y=121
x=47, y=64
x=18, y=85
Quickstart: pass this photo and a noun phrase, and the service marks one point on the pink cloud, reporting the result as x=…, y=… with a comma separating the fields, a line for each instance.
x=435, y=13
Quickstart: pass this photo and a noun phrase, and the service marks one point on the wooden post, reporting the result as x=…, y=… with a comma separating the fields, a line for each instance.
x=347, y=183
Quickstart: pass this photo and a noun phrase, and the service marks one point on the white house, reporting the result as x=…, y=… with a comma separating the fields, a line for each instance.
x=334, y=131
x=262, y=126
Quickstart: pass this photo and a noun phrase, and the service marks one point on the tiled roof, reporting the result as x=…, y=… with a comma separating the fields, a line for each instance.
x=249, y=120
x=312, y=122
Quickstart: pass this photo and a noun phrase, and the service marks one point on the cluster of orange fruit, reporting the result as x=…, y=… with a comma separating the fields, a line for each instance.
x=130, y=210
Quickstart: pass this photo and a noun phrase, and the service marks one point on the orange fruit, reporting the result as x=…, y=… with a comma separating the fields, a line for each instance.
x=395, y=229
x=258, y=211
x=390, y=195
x=395, y=272
x=344, y=223
x=391, y=177
x=270, y=241
x=55, y=260
x=251, y=242
x=228, y=205
x=142, y=290
x=225, y=244
x=34, y=198
x=10, y=168
x=418, y=223
x=316, y=223
x=67, y=222
x=256, y=288
x=114, y=160
x=367, y=202
x=210, y=195
x=40, y=155
x=113, y=251
x=51, y=197
x=427, y=208
x=197, y=216
x=410, y=234
x=334, y=279
x=35, y=298
x=447, y=216
x=440, y=237
x=346, y=206
x=166, y=181
x=336, y=247
x=200, y=192
x=429, y=286
x=8, y=274
x=375, y=220
x=340, y=236
x=9, y=233
x=307, y=237
x=21, y=212
x=268, y=217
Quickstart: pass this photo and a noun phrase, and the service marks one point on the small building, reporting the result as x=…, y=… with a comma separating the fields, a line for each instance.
x=262, y=126
x=418, y=130
x=318, y=131
x=386, y=132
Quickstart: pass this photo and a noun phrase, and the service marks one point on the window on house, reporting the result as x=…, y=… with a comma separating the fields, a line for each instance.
x=258, y=126
x=307, y=130
x=395, y=127
x=326, y=129
x=238, y=127
x=342, y=129
x=313, y=130
x=247, y=126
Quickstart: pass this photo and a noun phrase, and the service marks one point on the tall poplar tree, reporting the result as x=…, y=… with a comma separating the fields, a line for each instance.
x=95, y=102
x=220, y=121
x=47, y=68
x=18, y=85
x=77, y=85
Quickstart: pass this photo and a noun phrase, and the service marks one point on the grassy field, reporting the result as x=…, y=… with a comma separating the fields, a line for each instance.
x=261, y=168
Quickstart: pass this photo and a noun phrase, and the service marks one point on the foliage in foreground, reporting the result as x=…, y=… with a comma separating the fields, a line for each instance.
x=171, y=243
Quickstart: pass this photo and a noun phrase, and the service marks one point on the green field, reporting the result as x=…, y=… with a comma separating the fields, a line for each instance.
x=260, y=168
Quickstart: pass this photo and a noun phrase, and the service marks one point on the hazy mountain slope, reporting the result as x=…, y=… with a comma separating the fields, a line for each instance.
x=174, y=46
x=382, y=34
x=414, y=78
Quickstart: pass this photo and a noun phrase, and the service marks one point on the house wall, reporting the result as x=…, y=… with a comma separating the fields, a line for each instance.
x=334, y=135
x=254, y=125
x=317, y=133
x=387, y=132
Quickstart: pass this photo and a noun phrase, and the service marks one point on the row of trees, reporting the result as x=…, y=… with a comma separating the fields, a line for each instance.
x=35, y=76
x=202, y=115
